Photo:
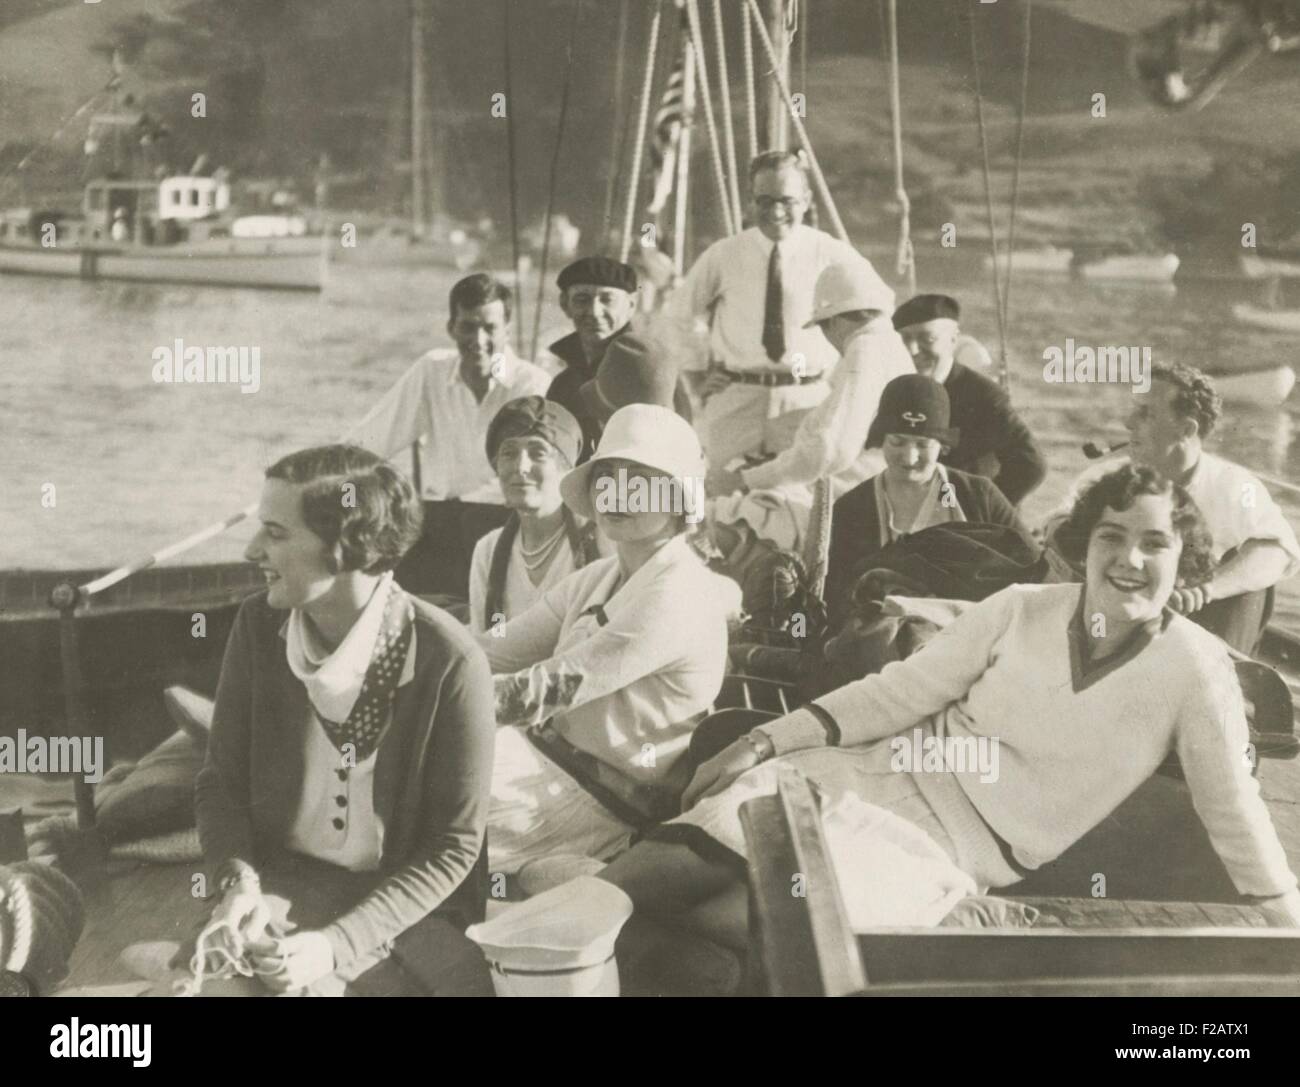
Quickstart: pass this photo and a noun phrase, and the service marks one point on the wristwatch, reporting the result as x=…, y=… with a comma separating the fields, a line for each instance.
x=761, y=743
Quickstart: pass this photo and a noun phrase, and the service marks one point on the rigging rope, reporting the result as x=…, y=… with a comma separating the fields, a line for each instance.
x=110, y=86
x=728, y=131
x=513, y=184
x=751, y=101
x=1001, y=294
x=906, y=260
x=643, y=118
x=619, y=135
x=555, y=168
x=999, y=312
x=1015, y=178
x=702, y=70
x=819, y=178
x=803, y=47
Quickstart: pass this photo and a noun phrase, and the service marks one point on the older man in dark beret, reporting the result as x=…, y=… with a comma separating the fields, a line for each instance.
x=994, y=439
x=599, y=295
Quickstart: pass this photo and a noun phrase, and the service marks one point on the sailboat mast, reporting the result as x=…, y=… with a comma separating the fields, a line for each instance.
x=418, y=197
x=778, y=129
x=684, y=157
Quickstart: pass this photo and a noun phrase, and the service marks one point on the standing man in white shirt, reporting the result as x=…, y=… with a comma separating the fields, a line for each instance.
x=852, y=307
x=1254, y=546
x=764, y=370
x=445, y=402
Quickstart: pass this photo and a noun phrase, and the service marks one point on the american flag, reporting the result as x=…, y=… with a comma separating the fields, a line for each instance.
x=668, y=124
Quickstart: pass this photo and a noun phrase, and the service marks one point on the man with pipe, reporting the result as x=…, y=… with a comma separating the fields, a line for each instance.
x=1255, y=546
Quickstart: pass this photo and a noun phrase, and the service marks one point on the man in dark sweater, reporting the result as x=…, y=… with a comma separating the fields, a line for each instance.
x=599, y=295
x=994, y=440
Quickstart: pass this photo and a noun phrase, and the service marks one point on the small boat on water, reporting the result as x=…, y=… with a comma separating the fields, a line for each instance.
x=1274, y=320
x=1132, y=267
x=1271, y=264
x=1267, y=386
x=167, y=231
x=1048, y=258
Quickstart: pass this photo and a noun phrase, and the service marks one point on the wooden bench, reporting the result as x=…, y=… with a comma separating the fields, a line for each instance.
x=801, y=945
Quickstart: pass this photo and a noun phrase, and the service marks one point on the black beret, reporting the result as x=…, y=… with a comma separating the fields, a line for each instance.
x=600, y=272
x=926, y=307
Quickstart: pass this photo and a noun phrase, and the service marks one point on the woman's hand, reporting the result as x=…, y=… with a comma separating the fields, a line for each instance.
x=244, y=908
x=293, y=962
x=720, y=771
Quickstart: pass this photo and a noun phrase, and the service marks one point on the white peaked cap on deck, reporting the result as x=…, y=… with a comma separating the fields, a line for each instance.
x=566, y=928
x=846, y=286
x=657, y=437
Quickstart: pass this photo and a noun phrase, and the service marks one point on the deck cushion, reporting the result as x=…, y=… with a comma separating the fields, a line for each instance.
x=155, y=796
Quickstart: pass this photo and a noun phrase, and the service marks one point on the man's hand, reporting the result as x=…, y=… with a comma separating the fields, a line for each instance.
x=705, y=384
x=293, y=962
x=1187, y=601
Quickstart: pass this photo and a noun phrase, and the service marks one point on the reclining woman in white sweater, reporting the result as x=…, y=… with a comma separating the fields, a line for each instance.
x=1085, y=689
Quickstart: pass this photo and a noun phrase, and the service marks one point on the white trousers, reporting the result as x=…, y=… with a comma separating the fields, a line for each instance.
x=538, y=810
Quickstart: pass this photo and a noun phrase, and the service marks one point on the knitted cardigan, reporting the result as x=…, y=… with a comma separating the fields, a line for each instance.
x=1074, y=740
x=432, y=773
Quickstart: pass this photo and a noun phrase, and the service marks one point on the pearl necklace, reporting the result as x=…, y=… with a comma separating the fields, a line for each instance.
x=541, y=555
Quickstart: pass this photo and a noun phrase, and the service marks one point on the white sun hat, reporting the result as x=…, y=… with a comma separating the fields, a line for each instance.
x=560, y=943
x=846, y=286
x=651, y=435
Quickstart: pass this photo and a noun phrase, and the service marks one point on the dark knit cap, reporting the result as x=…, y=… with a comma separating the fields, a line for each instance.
x=600, y=272
x=926, y=307
x=915, y=405
x=535, y=416
x=633, y=371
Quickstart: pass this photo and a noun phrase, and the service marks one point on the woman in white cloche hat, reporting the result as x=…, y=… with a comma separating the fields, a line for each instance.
x=602, y=681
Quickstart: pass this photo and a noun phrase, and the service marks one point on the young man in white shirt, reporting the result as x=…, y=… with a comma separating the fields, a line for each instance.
x=447, y=398
x=1255, y=546
x=445, y=402
x=764, y=369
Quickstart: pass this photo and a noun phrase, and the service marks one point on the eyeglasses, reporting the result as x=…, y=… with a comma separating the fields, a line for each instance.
x=767, y=203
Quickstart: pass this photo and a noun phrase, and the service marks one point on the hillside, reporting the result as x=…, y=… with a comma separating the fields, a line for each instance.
x=290, y=81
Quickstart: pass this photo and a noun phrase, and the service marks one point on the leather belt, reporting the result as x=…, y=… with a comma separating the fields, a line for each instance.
x=638, y=803
x=771, y=378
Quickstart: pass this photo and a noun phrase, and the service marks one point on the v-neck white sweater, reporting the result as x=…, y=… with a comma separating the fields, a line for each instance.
x=1071, y=747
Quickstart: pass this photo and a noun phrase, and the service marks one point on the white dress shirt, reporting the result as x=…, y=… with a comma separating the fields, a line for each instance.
x=1236, y=506
x=728, y=287
x=432, y=404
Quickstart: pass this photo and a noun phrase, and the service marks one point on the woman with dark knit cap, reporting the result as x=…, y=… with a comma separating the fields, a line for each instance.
x=350, y=754
x=915, y=490
x=531, y=443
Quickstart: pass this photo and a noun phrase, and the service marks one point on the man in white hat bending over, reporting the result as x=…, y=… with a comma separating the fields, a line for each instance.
x=764, y=369
x=852, y=307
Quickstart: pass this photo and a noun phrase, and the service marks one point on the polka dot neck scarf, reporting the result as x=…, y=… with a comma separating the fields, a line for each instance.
x=365, y=724
x=362, y=673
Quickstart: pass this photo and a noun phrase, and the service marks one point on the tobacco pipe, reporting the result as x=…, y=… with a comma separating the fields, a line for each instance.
x=1093, y=451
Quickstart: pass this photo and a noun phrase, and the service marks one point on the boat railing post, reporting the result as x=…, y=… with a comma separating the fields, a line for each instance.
x=65, y=597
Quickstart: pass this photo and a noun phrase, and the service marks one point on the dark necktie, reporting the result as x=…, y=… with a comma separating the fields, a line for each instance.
x=773, y=319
